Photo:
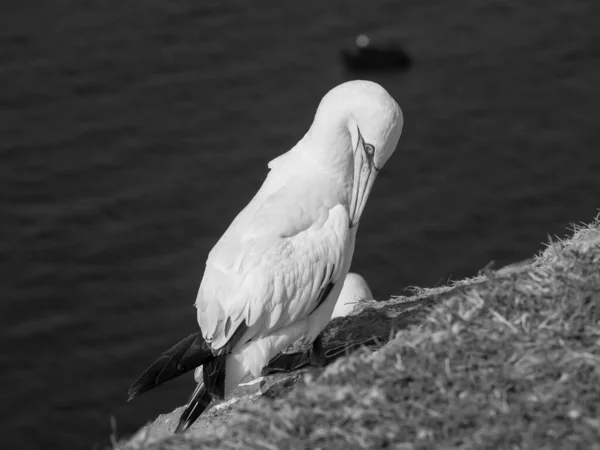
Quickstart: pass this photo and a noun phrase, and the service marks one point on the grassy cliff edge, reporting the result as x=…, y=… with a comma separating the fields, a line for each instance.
x=509, y=359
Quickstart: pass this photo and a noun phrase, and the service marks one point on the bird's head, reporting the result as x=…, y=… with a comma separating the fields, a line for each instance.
x=356, y=129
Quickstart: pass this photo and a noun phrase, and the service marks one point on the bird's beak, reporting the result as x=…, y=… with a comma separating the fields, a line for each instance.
x=365, y=173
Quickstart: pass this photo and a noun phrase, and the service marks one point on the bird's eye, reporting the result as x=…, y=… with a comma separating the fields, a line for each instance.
x=369, y=149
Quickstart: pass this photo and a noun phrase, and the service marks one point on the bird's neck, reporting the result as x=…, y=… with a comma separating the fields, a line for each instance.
x=331, y=171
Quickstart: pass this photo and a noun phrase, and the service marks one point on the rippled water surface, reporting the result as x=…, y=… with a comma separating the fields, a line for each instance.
x=131, y=133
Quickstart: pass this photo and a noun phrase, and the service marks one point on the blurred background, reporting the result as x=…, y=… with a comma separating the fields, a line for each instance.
x=132, y=132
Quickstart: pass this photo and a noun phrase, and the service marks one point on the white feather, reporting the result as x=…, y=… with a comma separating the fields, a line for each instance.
x=354, y=291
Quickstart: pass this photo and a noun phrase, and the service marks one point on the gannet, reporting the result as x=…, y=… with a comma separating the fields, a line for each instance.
x=275, y=275
x=354, y=290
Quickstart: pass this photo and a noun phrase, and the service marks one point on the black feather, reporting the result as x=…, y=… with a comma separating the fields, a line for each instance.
x=199, y=401
x=213, y=375
x=184, y=356
x=326, y=290
x=212, y=386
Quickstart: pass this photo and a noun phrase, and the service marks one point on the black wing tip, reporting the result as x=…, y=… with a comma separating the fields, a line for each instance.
x=148, y=380
x=184, y=356
x=135, y=391
x=198, y=403
x=182, y=426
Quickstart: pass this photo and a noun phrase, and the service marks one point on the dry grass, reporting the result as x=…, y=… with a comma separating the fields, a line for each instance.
x=510, y=360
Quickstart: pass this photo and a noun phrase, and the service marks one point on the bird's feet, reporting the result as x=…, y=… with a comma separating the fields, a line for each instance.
x=316, y=356
x=290, y=362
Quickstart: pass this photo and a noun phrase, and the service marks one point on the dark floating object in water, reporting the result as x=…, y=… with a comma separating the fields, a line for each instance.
x=370, y=54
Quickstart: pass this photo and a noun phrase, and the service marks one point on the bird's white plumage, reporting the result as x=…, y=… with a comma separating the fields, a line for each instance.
x=296, y=236
x=354, y=291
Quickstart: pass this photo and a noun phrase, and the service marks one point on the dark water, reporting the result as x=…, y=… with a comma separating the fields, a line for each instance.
x=132, y=132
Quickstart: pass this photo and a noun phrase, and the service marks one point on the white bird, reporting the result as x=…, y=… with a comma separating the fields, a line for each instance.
x=354, y=291
x=275, y=275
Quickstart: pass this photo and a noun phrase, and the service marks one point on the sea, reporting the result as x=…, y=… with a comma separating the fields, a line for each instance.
x=133, y=131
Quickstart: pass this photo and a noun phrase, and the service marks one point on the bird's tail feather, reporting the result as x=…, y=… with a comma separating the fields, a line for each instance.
x=199, y=401
x=186, y=355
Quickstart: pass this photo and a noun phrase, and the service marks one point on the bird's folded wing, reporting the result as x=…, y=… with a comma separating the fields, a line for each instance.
x=269, y=268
